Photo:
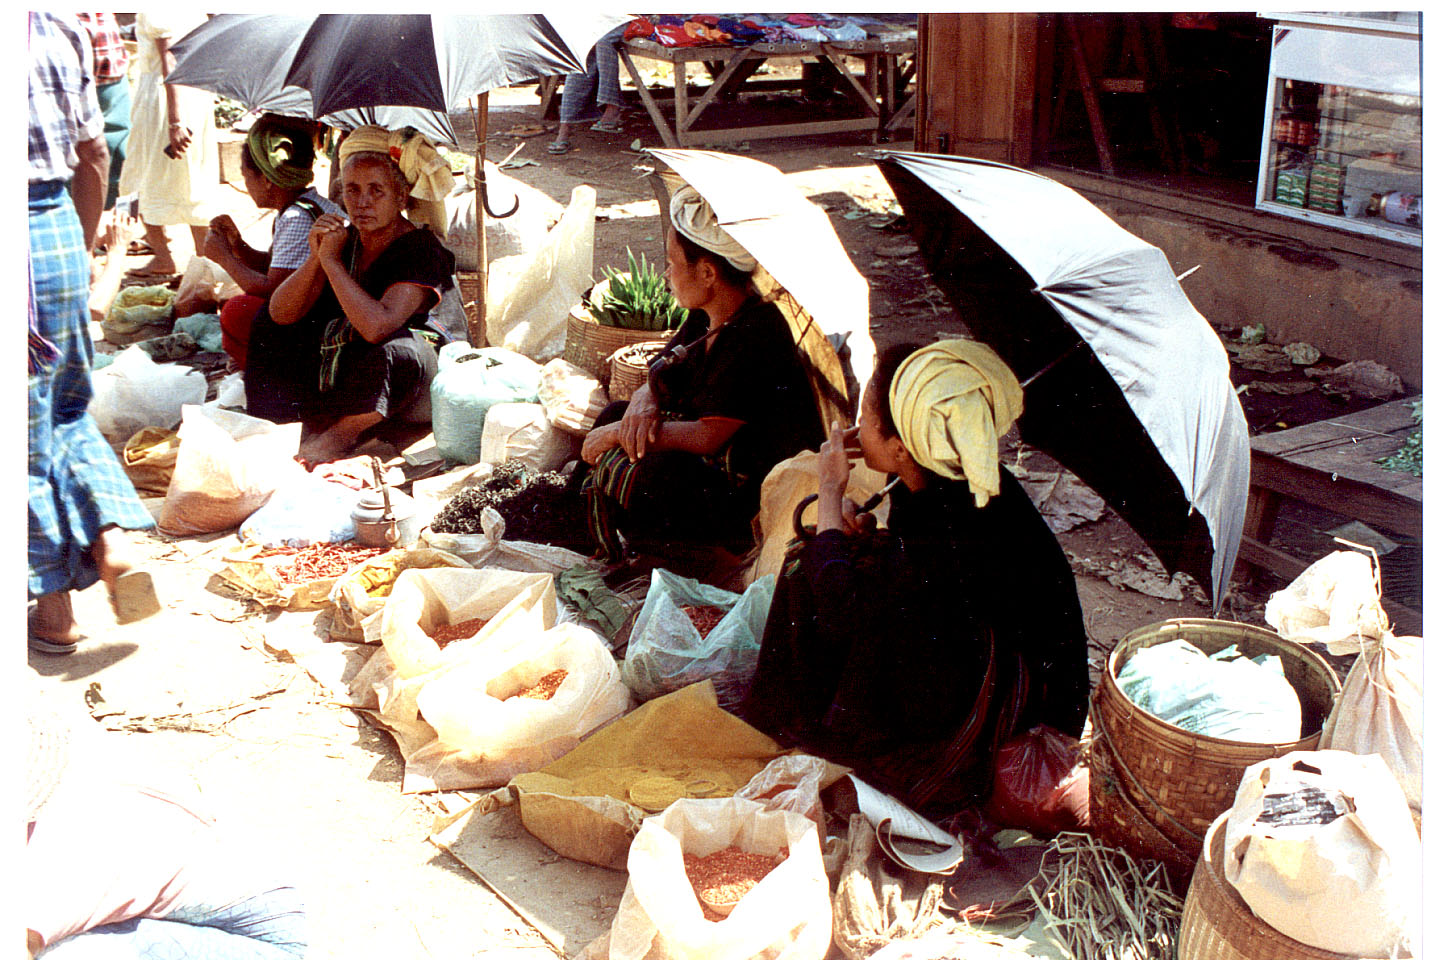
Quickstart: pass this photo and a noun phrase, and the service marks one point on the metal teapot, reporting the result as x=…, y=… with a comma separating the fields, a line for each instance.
x=384, y=517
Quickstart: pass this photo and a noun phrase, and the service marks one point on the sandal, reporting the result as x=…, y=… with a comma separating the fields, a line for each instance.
x=558, y=146
x=133, y=596
x=41, y=645
x=607, y=126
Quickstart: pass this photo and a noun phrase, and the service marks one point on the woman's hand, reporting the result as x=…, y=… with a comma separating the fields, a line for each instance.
x=834, y=511
x=640, y=425
x=327, y=237
x=598, y=441
x=219, y=243
x=179, y=139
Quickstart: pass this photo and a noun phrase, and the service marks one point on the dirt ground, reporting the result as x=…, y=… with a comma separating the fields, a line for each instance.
x=228, y=693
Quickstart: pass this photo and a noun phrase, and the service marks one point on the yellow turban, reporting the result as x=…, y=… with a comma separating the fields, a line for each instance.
x=693, y=217
x=952, y=402
x=424, y=169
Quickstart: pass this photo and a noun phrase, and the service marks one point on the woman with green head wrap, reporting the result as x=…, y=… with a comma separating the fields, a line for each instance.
x=911, y=654
x=276, y=163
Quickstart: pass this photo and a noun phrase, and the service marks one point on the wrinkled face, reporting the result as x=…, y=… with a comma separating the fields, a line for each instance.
x=879, y=451
x=373, y=198
x=685, y=279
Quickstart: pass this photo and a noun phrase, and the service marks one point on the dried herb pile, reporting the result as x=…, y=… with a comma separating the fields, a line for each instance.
x=536, y=506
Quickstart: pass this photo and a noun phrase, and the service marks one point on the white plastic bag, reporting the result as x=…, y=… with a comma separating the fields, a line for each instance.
x=1321, y=846
x=572, y=397
x=203, y=287
x=1380, y=710
x=791, y=782
x=1225, y=695
x=521, y=431
x=531, y=295
x=227, y=467
x=786, y=915
x=666, y=651
x=520, y=233
x=135, y=392
x=1335, y=601
x=470, y=381
x=491, y=549
x=305, y=510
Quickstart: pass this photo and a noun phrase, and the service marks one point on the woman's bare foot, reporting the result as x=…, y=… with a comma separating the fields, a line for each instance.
x=53, y=619
x=336, y=441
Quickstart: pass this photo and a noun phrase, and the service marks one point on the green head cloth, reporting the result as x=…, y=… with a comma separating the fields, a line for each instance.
x=282, y=150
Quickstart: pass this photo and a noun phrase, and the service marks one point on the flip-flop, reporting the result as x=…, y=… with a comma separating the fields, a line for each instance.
x=133, y=596
x=558, y=146
x=138, y=248
x=139, y=274
x=607, y=126
x=41, y=645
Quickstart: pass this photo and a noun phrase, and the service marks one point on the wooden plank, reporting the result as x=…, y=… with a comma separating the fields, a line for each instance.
x=732, y=67
x=667, y=136
x=1342, y=495
x=769, y=130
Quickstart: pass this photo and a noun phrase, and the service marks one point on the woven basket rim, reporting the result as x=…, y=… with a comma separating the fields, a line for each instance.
x=1110, y=680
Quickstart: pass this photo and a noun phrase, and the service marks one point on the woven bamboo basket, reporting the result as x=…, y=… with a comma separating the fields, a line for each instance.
x=1116, y=817
x=630, y=366
x=1218, y=925
x=589, y=344
x=1184, y=780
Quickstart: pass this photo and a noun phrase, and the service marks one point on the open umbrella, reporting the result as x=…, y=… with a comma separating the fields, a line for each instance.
x=803, y=266
x=386, y=65
x=1129, y=387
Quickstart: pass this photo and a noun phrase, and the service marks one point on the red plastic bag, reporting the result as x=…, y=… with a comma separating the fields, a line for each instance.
x=1040, y=784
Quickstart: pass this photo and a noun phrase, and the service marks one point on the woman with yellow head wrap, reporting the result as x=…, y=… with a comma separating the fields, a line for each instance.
x=912, y=653
x=364, y=296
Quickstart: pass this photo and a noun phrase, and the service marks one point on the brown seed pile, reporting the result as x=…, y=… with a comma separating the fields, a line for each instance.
x=704, y=618
x=726, y=875
x=544, y=688
x=450, y=632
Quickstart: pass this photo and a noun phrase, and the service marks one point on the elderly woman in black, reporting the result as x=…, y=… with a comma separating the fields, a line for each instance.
x=911, y=653
x=366, y=292
x=682, y=462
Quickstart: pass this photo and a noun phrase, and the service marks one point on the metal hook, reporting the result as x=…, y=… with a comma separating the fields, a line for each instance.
x=485, y=200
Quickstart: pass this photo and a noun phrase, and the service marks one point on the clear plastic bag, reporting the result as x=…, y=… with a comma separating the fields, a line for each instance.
x=305, y=510
x=666, y=651
x=791, y=782
x=135, y=392
x=522, y=431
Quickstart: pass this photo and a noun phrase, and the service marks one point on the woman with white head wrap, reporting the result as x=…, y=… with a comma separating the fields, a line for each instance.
x=364, y=296
x=913, y=653
x=681, y=463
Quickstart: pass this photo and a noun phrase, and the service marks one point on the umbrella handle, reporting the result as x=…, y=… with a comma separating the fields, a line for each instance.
x=485, y=199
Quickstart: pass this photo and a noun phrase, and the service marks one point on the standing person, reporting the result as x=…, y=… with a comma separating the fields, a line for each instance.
x=112, y=89
x=80, y=500
x=277, y=167
x=910, y=655
x=598, y=86
x=180, y=120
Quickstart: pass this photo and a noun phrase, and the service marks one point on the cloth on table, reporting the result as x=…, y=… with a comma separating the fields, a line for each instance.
x=912, y=655
x=749, y=371
x=172, y=192
x=76, y=484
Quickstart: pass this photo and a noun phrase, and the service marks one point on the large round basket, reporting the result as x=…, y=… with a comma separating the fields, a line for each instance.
x=1218, y=925
x=630, y=366
x=588, y=344
x=1177, y=780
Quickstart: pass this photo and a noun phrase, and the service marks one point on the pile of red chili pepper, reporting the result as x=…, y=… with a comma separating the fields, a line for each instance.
x=704, y=618
x=319, y=561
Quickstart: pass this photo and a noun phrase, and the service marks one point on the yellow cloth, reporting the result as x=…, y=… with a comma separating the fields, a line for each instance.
x=693, y=217
x=952, y=402
x=424, y=169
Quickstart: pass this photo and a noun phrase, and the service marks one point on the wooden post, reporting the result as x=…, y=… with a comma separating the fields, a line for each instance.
x=480, y=113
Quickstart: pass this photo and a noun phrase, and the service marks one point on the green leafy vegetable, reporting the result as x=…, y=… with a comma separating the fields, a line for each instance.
x=638, y=299
x=1409, y=458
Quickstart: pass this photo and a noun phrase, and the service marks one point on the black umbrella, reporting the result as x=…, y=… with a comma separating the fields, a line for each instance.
x=1128, y=385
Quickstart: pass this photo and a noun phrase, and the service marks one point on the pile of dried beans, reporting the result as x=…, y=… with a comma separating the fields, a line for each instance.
x=728, y=874
x=319, y=561
x=704, y=618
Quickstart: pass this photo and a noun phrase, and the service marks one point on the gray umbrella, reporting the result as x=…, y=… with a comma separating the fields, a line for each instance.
x=1130, y=387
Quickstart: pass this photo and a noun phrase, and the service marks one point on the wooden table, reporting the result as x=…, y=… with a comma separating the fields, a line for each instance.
x=880, y=93
x=1331, y=464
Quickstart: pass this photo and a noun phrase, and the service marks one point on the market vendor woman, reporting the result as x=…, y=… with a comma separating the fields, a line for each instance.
x=681, y=464
x=365, y=293
x=912, y=653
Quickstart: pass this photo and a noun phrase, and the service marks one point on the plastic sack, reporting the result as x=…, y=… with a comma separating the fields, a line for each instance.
x=666, y=651
x=360, y=595
x=520, y=233
x=785, y=916
x=230, y=393
x=305, y=510
x=1380, y=710
x=204, y=329
x=530, y=295
x=471, y=380
x=1226, y=695
x=227, y=467
x=521, y=431
x=1335, y=601
x=473, y=707
x=491, y=549
x=135, y=307
x=1040, y=783
x=571, y=396
x=792, y=783
x=135, y=392
x=204, y=286
x=1321, y=846
x=149, y=460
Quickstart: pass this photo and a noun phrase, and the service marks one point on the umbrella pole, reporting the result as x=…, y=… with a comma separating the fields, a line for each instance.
x=480, y=113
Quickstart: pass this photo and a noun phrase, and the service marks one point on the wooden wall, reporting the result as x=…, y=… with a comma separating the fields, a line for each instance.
x=977, y=78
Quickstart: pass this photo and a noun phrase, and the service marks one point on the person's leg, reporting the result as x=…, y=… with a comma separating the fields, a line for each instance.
x=577, y=103
x=237, y=318
x=115, y=105
x=607, y=65
x=374, y=382
x=162, y=263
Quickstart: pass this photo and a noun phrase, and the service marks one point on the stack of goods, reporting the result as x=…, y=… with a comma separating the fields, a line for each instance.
x=1326, y=185
x=1291, y=184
